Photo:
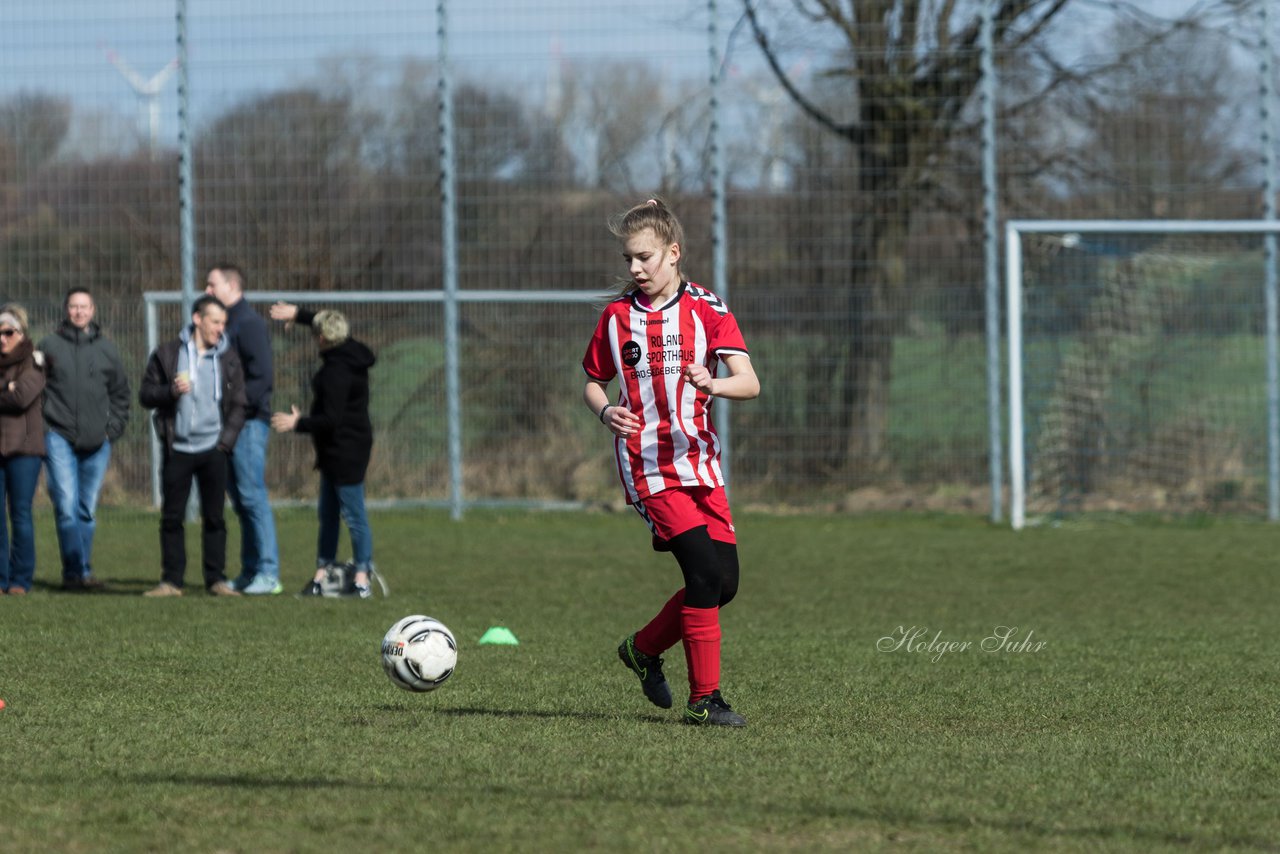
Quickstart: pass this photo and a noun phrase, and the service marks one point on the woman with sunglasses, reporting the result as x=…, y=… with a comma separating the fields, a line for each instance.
x=22, y=379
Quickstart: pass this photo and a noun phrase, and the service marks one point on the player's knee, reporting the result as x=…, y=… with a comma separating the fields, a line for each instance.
x=702, y=588
x=728, y=558
x=700, y=566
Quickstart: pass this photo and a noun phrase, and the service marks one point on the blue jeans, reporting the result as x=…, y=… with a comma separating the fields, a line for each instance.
x=349, y=502
x=18, y=479
x=74, y=479
x=247, y=486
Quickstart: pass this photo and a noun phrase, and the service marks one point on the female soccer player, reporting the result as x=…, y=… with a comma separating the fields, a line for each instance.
x=664, y=338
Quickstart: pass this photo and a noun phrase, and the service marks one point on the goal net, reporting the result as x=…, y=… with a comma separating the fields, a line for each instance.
x=1138, y=367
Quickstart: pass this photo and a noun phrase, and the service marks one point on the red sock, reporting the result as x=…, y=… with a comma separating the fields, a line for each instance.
x=663, y=631
x=701, y=627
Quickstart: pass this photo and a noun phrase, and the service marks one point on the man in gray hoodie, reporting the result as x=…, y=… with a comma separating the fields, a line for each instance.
x=195, y=384
x=86, y=407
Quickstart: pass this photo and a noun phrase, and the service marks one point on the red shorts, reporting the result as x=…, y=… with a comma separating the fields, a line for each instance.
x=673, y=511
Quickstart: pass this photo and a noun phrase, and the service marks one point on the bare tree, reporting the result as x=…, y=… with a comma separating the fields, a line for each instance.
x=908, y=73
x=1161, y=135
x=282, y=186
x=629, y=127
x=33, y=126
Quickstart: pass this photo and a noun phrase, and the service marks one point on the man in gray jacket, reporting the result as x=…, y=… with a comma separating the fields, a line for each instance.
x=86, y=407
x=195, y=384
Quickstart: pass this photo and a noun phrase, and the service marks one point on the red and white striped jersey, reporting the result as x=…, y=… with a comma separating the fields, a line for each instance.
x=648, y=348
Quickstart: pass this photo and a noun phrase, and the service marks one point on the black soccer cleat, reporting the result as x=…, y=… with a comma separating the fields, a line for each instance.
x=712, y=710
x=649, y=669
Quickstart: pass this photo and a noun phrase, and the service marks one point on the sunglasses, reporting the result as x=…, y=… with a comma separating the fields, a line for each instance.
x=8, y=333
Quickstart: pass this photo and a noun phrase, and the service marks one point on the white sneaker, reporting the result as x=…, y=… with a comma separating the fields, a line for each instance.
x=263, y=586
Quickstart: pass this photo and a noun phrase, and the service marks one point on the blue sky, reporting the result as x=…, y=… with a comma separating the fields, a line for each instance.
x=237, y=47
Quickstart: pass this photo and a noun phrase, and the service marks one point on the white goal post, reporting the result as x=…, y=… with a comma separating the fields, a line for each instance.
x=1071, y=230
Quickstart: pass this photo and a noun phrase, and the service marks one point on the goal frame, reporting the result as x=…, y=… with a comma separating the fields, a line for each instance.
x=1014, y=231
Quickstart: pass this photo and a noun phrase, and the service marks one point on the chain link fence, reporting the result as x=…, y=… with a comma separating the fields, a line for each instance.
x=852, y=239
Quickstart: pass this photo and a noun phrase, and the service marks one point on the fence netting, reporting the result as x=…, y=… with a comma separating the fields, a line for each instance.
x=853, y=233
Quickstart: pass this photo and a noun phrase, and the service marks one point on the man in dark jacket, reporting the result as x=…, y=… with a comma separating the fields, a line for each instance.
x=342, y=433
x=196, y=386
x=248, y=335
x=86, y=408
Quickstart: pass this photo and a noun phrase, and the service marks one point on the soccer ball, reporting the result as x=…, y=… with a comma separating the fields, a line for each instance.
x=419, y=653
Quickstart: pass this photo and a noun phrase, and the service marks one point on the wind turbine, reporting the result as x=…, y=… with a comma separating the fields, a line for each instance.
x=148, y=91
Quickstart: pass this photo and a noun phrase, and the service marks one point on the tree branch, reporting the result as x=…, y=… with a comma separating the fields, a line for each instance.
x=851, y=131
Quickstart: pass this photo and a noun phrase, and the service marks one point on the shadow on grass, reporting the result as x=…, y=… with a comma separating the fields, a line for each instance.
x=900, y=820
x=904, y=824
x=250, y=781
x=530, y=713
x=538, y=713
x=115, y=587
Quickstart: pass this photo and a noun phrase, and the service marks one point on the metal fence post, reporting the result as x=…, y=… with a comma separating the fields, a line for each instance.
x=449, y=251
x=990, y=242
x=186, y=198
x=1268, y=109
x=719, y=243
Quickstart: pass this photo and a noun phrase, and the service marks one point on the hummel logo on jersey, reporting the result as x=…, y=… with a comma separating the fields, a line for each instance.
x=709, y=298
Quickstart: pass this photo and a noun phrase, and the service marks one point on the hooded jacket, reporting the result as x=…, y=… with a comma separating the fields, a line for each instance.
x=87, y=397
x=157, y=390
x=339, y=422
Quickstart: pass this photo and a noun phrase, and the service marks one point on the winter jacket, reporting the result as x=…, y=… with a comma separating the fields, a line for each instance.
x=339, y=418
x=86, y=398
x=21, y=422
x=157, y=392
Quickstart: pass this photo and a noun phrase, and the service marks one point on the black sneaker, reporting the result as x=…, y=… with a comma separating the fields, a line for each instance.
x=649, y=669
x=312, y=589
x=362, y=591
x=712, y=710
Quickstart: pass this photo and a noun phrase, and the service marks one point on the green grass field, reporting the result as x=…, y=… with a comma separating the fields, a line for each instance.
x=1145, y=721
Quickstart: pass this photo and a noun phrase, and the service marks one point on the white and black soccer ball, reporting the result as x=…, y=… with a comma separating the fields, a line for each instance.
x=419, y=653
